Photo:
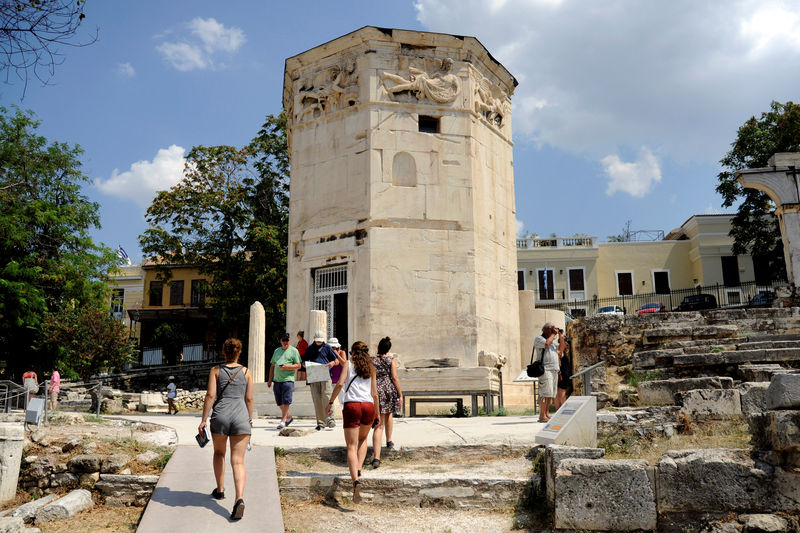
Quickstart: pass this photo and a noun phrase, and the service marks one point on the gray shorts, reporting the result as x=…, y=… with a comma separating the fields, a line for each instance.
x=547, y=384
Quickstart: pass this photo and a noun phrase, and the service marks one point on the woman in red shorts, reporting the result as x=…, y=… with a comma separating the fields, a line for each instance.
x=360, y=411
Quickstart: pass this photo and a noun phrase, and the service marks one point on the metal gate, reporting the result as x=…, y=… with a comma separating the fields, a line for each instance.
x=192, y=352
x=151, y=356
x=328, y=282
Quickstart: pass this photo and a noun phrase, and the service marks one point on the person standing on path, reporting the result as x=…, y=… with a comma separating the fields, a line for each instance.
x=552, y=345
x=229, y=402
x=172, y=393
x=564, y=382
x=390, y=395
x=320, y=352
x=55, y=388
x=360, y=411
x=301, y=346
x=283, y=366
x=336, y=371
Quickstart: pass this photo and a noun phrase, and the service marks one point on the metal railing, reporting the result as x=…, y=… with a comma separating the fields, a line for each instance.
x=587, y=381
x=531, y=243
x=726, y=296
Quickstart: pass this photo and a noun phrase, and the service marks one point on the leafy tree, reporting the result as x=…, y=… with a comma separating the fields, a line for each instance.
x=171, y=337
x=229, y=218
x=754, y=229
x=88, y=340
x=47, y=258
x=32, y=30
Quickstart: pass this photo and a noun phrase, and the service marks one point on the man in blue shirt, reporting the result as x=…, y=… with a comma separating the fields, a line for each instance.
x=321, y=352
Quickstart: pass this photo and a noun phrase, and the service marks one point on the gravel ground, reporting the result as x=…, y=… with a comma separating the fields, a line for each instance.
x=371, y=518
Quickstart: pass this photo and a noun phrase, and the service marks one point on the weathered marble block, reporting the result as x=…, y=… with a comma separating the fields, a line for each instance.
x=784, y=392
x=662, y=391
x=711, y=403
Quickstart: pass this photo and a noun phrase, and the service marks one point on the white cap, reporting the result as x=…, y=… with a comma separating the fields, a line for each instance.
x=333, y=341
x=319, y=335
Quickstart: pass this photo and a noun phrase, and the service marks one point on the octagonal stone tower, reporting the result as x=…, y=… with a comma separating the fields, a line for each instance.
x=402, y=217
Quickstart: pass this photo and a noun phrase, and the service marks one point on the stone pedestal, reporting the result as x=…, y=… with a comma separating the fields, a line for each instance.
x=255, y=346
x=11, y=442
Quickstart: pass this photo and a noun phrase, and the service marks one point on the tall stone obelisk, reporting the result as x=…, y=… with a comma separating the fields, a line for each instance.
x=255, y=346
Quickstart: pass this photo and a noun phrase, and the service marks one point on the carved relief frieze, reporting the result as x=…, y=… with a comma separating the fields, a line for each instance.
x=328, y=90
x=491, y=102
x=438, y=84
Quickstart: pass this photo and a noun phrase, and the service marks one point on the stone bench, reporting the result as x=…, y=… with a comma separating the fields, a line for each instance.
x=414, y=401
x=453, y=382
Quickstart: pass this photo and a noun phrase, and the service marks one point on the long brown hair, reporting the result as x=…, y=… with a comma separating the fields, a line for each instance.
x=359, y=356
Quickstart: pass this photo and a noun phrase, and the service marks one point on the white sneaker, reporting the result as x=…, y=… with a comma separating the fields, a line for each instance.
x=281, y=426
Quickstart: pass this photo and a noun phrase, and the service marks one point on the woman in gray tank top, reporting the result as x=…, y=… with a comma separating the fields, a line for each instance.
x=229, y=402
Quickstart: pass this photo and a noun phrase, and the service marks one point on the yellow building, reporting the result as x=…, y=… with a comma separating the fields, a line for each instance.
x=581, y=275
x=127, y=292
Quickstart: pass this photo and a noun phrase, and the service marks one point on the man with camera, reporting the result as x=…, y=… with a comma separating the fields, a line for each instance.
x=551, y=343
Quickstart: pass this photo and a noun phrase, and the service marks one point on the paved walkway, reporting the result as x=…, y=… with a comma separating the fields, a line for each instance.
x=408, y=432
x=181, y=502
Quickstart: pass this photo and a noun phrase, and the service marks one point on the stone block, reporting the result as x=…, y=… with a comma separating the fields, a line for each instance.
x=720, y=480
x=71, y=444
x=762, y=372
x=784, y=392
x=84, y=463
x=555, y=453
x=71, y=504
x=715, y=332
x=763, y=523
x=662, y=391
x=783, y=430
x=88, y=479
x=28, y=510
x=147, y=457
x=753, y=396
x=65, y=479
x=10, y=524
x=114, y=463
x=604, y=495
x=126, y=489
x=711, y=403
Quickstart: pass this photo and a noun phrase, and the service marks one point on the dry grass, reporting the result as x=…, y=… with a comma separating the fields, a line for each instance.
x=628, y=445
x=100, y=518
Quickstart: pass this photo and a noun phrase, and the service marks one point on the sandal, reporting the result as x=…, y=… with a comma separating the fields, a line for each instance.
x=218, y=494
x=376, y=463
x=356, y=492
x=238, y=510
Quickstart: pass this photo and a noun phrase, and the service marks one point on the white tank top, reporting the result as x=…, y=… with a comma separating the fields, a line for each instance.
x=360, y=389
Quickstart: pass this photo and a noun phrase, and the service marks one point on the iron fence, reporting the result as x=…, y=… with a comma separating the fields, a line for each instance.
x=726, y=296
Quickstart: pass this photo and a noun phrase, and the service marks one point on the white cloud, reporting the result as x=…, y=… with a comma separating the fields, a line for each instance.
x=635, y=178
x=126, y=70
x=199, y=49
x=520, y=228
x=216, y=36
x=144, y=179
x=597, y=76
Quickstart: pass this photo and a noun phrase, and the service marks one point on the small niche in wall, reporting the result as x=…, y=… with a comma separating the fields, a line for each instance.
x=428, y=124
x=404, y=170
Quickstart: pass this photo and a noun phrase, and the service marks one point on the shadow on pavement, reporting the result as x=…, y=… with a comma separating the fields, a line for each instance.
x=185, y=498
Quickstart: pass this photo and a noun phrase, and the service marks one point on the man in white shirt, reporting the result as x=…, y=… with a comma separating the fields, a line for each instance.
x=549, y=346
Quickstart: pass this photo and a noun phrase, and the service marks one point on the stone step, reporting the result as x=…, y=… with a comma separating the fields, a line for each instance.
x=663, y=391
x=773, y=337
x=737, y=357
x=688, y=332
x=763, y=345
x=761, y=372
x=302, y=405
x=417, y=490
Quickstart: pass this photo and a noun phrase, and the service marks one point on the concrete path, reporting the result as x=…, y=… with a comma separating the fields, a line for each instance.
x=408, y=432
x=182, y=502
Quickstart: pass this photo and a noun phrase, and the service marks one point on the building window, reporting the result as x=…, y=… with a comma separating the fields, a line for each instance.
x=625, y=283
x=547, y=284
x=198, y=292
x=117, y=301
x=156, y=293
x=730, y=271
x=576, y=282
x=761, y=270
x=521, y=280
x=428, y=124
x=661, y=281
x=176, y=293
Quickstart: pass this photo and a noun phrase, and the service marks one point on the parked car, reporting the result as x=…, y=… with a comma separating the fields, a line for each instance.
x=697, y=302
x=763, y=299
x=654, y=307
x=611, y=310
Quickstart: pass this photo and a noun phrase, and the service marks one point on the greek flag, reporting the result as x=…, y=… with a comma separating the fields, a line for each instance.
x=122, y=254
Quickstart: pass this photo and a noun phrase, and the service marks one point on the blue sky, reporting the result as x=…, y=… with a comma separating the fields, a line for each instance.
x=623, y=109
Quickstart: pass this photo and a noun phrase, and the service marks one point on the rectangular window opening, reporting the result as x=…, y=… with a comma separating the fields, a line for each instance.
x=428, y=124
x=198, y=292
x=156, y=292
x=176, y=293
x=625, y=283
x=661, y=282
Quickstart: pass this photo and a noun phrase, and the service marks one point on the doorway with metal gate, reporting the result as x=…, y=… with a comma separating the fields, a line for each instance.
x=330, y=295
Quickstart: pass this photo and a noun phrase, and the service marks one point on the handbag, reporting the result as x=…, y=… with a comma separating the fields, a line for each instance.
x=536, y=368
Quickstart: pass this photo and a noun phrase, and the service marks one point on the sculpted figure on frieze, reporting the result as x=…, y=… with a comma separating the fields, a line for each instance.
x=333, y=88
x=490, y=102
x=441, y=87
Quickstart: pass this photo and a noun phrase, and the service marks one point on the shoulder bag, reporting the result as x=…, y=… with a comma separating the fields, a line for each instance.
x=536, y=368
